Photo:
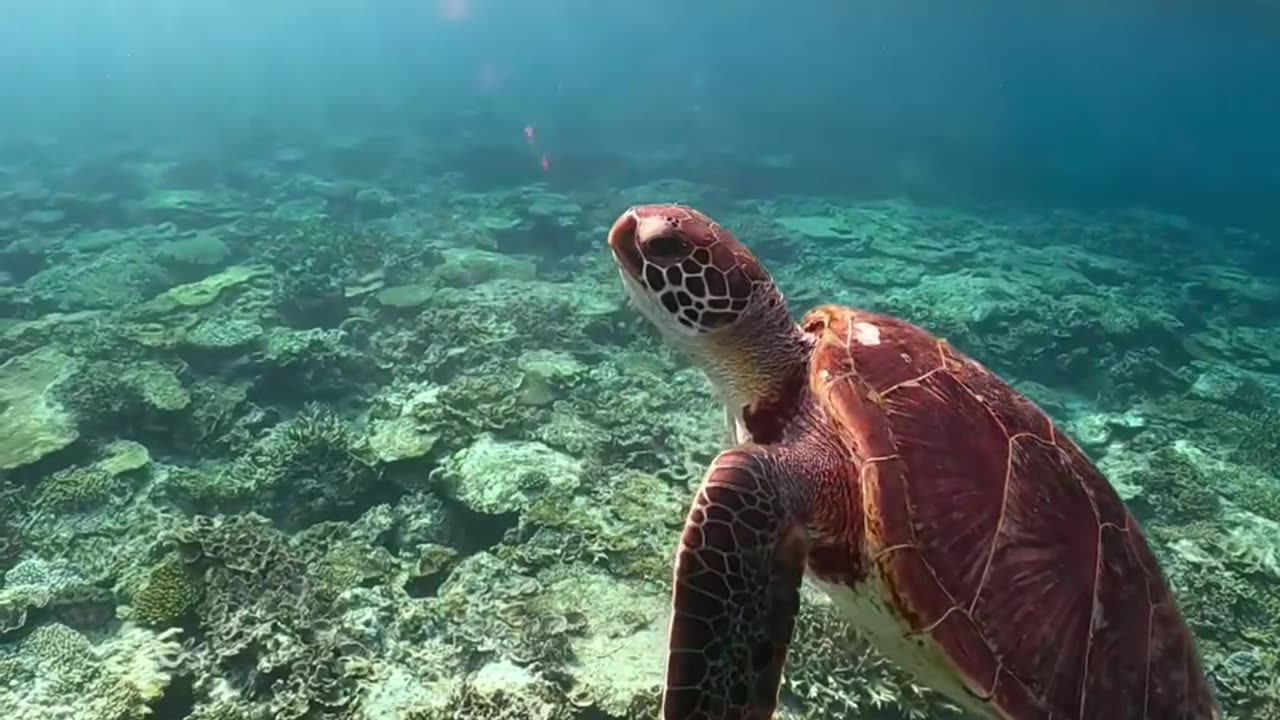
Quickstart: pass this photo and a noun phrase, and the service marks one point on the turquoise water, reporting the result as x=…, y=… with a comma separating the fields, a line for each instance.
x=321, y=396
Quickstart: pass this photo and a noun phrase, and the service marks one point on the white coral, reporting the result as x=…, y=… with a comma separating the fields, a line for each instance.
x=69, y=678
x=146, y=661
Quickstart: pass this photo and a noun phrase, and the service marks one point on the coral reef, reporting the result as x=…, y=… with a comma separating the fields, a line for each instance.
x=284, y=443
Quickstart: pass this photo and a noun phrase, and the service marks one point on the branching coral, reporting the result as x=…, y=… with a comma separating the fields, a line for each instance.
x=75, y=488
x=537, y=701
x=315, y=262
x=267, y=611
x=310, y=363
x=1231, y=605
x=1258, y=440
x=1177, y=488
x=833, y=672
x=312, y=466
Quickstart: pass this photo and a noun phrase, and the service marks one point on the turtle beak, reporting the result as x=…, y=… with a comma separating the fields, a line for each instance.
x=622, y=241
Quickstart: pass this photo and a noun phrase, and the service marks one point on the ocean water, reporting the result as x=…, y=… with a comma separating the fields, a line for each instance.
x=321, y=395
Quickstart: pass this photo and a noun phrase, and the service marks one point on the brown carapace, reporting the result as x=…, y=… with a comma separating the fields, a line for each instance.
x=958, y=527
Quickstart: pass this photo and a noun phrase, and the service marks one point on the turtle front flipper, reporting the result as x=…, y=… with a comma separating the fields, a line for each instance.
x=737, y=590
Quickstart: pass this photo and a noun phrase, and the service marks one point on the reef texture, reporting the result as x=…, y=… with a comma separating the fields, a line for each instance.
x=283, y=442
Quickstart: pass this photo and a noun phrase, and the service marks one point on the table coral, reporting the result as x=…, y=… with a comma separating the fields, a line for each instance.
x=33, y=420
x=207, y=290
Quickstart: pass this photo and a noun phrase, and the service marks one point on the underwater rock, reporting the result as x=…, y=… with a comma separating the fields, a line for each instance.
x=815, y=227
x=1222, y=283
x=124, y=456
x=158, y=386
x=412, y=428
x=397, y=694
x=1217, y=381
x=548, y=233
x=545, y=373
x=883, y=273
x=374, y=203
x=33, y=422
x=119, y=277
x=400, y=439
x=1254, y=542
x=1096, y=429
x=559, y=208
x=162, y=335
x=1254, y=348
x=97, y=239
x=187, y=209
x=465, y=268
x=198, y=250
x=503, y=676
x=369, y=282
x=23, y=336
x=405, y=296
x=203, y=292
x=494, y=476
x=620, y=660
x=223, y=333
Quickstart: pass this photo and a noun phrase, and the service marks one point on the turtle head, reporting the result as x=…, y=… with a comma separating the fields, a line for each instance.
x=706, y=293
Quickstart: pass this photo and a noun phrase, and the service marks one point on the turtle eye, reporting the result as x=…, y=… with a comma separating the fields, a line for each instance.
x=667, y=247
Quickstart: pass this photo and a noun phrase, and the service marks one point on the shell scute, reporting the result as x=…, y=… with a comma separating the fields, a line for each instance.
x=996, y=538
x=898, y=356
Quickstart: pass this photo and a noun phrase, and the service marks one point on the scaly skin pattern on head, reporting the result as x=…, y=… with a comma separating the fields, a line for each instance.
x=710, y=298
x=938, y=507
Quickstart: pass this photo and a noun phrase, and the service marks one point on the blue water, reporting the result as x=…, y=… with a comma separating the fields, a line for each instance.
x=1093, y=104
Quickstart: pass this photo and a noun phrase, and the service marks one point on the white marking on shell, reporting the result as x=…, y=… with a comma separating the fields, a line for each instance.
x=866, y=333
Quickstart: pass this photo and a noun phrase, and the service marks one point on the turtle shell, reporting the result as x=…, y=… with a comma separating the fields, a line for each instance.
x=994, y=540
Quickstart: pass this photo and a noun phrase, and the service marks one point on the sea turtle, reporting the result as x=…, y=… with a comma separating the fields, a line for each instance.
x=958, y=528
